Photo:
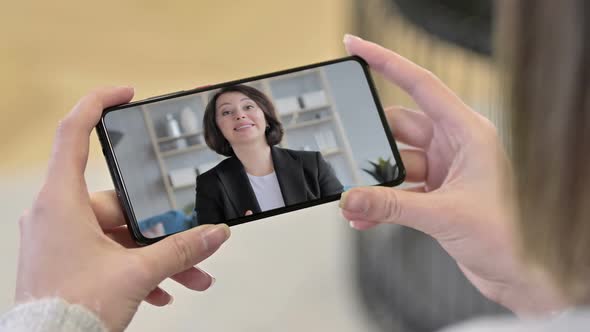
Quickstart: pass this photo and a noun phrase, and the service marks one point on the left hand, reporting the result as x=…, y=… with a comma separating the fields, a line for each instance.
x=465, y=200
x=75, y=246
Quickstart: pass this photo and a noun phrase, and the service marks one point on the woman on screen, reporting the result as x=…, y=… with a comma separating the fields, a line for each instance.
x=240, y=122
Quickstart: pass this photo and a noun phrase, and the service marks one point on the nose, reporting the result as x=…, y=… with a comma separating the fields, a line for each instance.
x=240, y=115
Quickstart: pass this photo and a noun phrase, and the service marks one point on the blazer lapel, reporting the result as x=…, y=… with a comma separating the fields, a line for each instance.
x=289, y=170
x=238, y=188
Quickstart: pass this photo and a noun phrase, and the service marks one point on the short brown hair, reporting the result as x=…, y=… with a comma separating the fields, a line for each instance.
x=548, y=54
x=213, y=136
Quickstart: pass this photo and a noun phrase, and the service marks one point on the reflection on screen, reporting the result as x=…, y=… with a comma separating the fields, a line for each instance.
x=218, y=155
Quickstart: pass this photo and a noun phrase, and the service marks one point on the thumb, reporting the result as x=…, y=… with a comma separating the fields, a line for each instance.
x=70, y=150
x=184, y=250
x=365, y=205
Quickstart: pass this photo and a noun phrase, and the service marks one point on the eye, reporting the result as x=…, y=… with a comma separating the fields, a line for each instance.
x=226, y=112
x=249, y=107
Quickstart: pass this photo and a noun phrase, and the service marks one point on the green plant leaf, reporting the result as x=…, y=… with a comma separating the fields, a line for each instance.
x=383, y=171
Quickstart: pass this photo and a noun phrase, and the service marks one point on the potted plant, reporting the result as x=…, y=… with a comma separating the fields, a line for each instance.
x=382, y=170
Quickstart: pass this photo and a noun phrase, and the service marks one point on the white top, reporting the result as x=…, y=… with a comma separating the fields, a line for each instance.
x=267, y=190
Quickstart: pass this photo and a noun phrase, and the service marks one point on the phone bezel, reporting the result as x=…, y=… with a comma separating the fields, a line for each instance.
x=119, y=183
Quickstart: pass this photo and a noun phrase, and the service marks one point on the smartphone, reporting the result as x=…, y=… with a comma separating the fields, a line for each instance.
x=248, y=149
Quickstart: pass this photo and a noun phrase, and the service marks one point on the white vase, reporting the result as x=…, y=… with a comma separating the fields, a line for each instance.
x=189, y=121
x=174, y=131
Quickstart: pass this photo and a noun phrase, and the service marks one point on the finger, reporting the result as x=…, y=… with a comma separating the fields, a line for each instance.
x=159, y=297
x=248, y=213
x=195, y=279
x=70, y=150
x=362, y=225
x=433, y=97
x=415, y=163
x=416, y=189
x=192, y=278
x=23, y=223
x=410, y=127
x=183, y=250
x=107, y=209
x=389, y=205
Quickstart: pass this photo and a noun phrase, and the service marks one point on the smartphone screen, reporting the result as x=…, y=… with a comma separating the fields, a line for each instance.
x=248, y=149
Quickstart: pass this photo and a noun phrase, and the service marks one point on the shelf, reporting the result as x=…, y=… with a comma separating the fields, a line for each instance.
x=191, y=148
x=309, y=123
x=172, y=138
x=332, y=151
x=305, y=110
x=185, y=186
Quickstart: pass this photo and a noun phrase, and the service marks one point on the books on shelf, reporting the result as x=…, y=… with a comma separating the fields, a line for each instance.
x=308, y=123
x=287, y=105
x=183, y=177
x=310, y=101
x=314, y=99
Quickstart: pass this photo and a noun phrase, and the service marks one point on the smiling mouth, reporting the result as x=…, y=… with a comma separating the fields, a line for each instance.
x=246, y=126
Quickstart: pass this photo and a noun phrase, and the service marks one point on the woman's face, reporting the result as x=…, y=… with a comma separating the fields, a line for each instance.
x=239, y=118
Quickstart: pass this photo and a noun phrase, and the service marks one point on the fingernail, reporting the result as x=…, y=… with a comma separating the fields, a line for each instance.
x=209, y=274
x=348, y=37
x=215, y=236
x=342, y=199
x=171, y=300
x=213, y=280
x=355, y=202
x=352, y=224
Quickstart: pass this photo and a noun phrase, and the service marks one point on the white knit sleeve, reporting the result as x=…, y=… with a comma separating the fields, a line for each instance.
x=51, y=314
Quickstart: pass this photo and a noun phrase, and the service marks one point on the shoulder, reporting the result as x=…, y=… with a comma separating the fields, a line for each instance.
x=305, y=156
x=228, y=164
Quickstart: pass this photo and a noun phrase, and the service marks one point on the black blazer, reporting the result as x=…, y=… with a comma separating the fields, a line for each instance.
x=224, y=192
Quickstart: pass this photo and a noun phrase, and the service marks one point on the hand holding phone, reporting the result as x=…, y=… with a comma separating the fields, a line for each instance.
x=248, y=149
x=462, y=195
x=75, y=246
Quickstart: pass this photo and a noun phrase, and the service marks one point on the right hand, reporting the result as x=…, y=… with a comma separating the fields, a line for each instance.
x=75, y=246
x=465, y=201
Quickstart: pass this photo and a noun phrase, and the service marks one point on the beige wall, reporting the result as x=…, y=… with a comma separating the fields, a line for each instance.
x=54, y=52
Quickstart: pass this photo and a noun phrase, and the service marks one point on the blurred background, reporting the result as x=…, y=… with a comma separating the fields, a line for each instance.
x=303, y=271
